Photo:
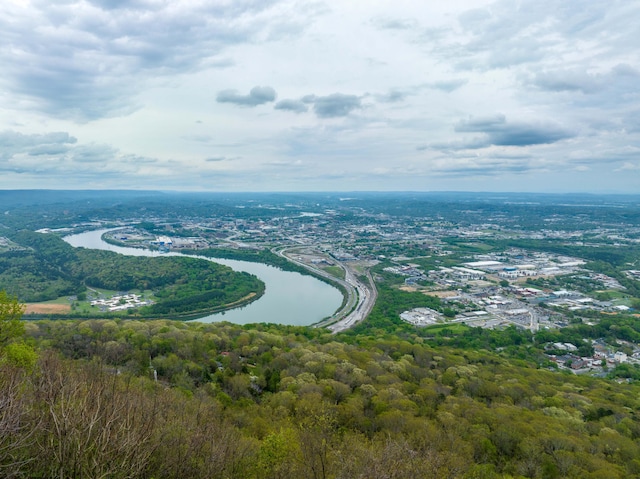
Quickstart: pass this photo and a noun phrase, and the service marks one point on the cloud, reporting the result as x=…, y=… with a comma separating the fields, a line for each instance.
x=397, y=95
x=335, y=105
x=614, y=88
x=331, y=106
x=136, y=159
x=606, y=155
x=85, y=60
x=515, y=35
x=58, y=155
x=393, y=96
x=564, y=75
x=13, y=142
x=566, y=80
x=388, y=23
x=579, y=79
x=16, y=139
x=486, y=165
x=629, y=166
x=286, y=163
x=47, y=150
x=497, y=131
x=258, y=95
x=93, y=153
x=218, y=159
x=296, y=106
x=449, y=85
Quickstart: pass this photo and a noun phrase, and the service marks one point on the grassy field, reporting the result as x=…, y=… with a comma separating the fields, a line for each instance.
x=336, y=271
x=454, y=328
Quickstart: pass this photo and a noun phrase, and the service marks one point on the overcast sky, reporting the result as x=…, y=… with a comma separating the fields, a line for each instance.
x=270, y=95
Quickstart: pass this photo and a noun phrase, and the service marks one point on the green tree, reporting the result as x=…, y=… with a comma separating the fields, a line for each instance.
x=13, y=350
x=20, y=355
x=11, y=310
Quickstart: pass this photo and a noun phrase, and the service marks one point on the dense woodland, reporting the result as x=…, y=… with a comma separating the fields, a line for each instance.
x=48, y=268
x=105, y=398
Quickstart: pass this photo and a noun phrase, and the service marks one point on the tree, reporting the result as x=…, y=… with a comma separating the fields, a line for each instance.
x=14, y=356
x=449, y=313
x=11, y=310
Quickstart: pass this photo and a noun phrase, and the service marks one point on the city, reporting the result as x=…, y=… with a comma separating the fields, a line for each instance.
x=479, y=277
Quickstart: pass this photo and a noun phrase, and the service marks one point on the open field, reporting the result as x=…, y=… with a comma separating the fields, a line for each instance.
x=47, y=308
x=454, y=328
x=410, y=289
x=442, y=294
x=336, y=271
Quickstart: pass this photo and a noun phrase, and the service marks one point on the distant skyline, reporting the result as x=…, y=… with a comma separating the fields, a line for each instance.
x=270, y=95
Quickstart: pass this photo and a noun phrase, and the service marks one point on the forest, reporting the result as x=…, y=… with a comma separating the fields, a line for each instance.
x=47, y=268
x=155, y=399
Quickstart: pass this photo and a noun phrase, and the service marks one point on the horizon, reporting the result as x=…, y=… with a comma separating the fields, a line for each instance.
x=312, y=192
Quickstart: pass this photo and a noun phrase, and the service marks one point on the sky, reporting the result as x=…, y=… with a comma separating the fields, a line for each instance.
x=287, y=95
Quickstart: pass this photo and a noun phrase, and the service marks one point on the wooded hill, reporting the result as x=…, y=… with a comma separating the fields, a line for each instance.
x=47, y=268
x=267, y=401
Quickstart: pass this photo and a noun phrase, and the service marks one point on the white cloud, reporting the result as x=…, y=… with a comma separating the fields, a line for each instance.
x=259, y=95
x=629, y=166
x=87, y=59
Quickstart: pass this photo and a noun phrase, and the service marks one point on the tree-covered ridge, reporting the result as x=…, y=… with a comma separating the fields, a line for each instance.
x=299, y=402
x=39, y=272
x=49, y=268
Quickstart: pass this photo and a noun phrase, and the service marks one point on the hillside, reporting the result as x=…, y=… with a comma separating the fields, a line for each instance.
x=166, y=399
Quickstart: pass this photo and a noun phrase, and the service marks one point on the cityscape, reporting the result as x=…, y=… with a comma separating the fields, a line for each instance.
x=357, y=248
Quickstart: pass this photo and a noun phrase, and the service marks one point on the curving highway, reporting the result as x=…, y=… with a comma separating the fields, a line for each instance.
x=360, y=296
x=367, y=295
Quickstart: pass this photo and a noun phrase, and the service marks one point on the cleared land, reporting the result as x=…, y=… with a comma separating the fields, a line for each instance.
x=48, y=308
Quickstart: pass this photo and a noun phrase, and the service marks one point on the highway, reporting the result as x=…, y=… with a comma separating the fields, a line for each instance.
x=366, y=298
x=360, y=296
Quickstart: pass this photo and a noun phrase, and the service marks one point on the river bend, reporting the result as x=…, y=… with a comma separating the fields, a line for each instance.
x=290, y=298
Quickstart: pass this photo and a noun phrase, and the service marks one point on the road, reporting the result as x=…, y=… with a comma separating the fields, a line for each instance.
x=367, y=295
x=360, y=296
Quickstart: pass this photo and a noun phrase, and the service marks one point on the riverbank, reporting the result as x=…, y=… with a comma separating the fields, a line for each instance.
x=36, y=311
x=290, y=298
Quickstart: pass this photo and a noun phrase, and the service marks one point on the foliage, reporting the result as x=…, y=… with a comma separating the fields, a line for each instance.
x=11, y=311
x=13, y=351
x=53, y=268
x=277, y=401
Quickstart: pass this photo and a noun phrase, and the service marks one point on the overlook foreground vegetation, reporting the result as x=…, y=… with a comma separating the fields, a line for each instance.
x=105, y=398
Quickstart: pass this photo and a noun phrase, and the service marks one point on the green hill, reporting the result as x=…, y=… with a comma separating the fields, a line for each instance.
x=165, y=399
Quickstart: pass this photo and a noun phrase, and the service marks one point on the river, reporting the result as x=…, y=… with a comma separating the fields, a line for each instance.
x=289, y=298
